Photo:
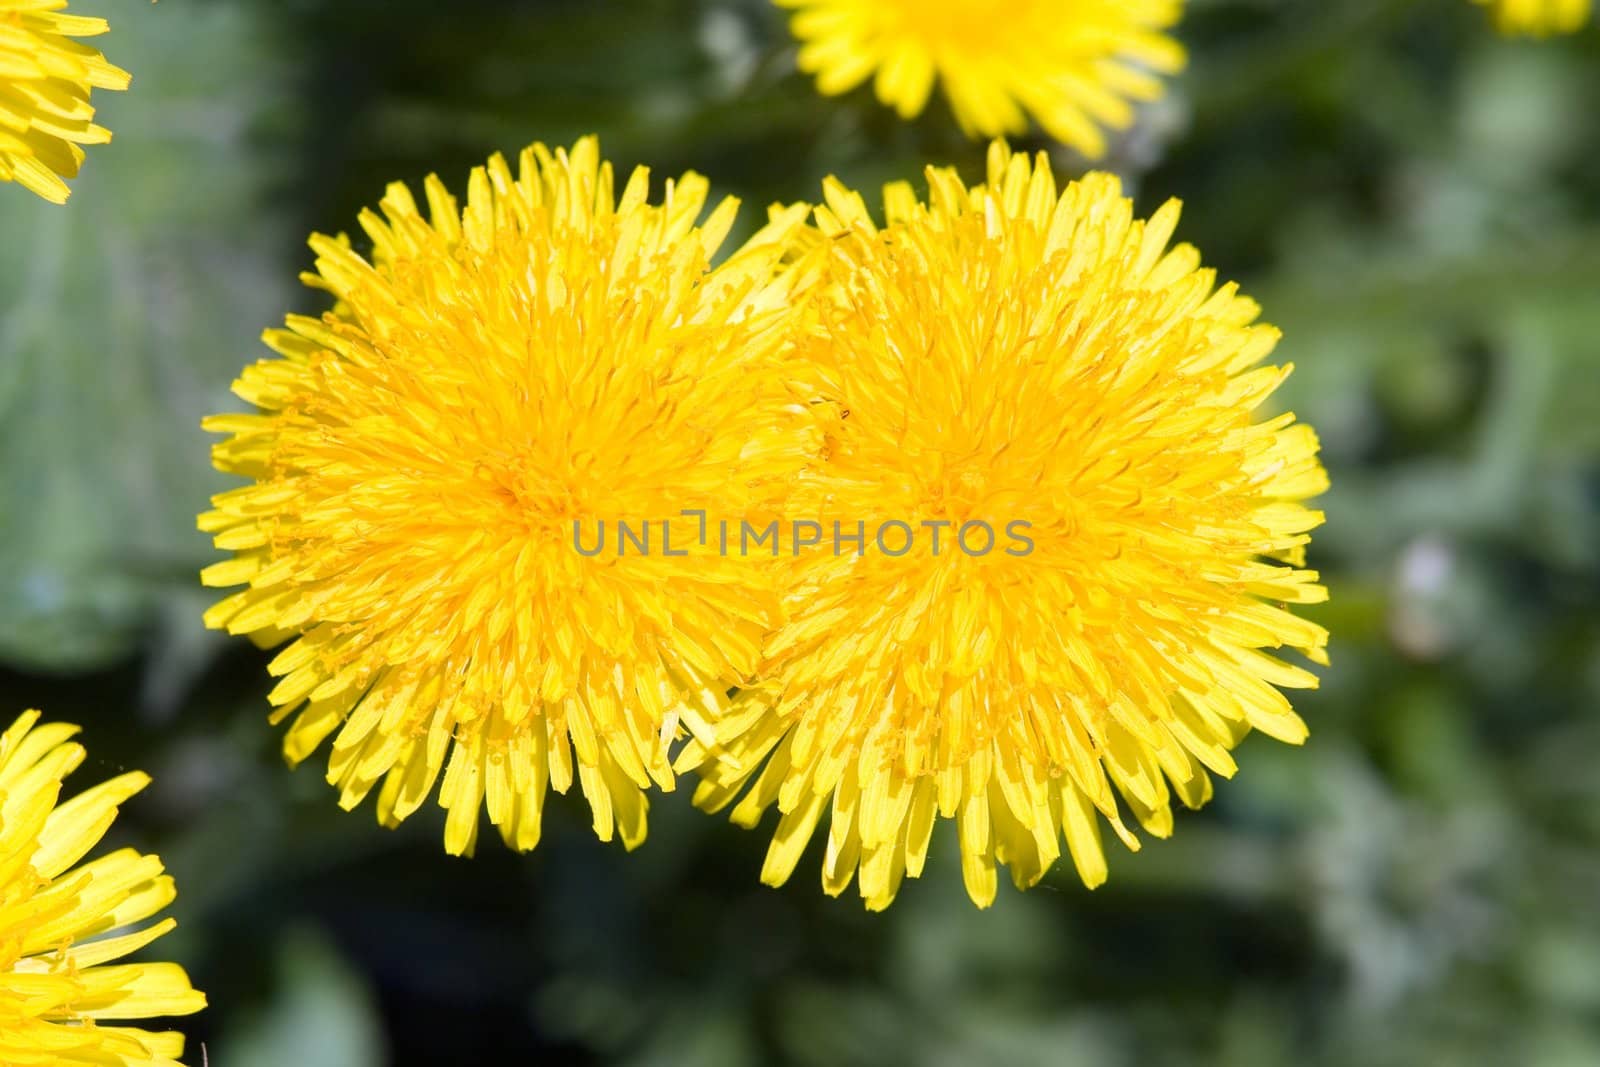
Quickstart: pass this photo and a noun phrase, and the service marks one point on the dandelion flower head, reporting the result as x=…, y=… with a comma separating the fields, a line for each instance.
x=549, y=355
x=45, y=80
x=1076, y=66
x=65, y=924
x=1018, y=353
x=1539, y=18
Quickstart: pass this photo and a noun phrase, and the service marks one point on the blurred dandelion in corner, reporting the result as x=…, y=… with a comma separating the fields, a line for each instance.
x=46, y=78
x=550, y=354
x=63, y=996
x=1019, y=352
x=1539, y=18
x=1076, y=67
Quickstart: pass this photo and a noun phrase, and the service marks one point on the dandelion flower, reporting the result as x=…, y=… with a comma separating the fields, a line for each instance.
x=548, y=358
x=1036, y=363
x=45, y=80
x=1539, y=18
x=1077, y=66
x=63, y=996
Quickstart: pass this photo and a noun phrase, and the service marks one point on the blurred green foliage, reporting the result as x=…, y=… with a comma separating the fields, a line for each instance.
x=1415, y=201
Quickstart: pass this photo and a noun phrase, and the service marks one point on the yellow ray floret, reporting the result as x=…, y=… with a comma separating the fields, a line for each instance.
x=1076, y=66
x=64, y=923
x=1539, y=18
x=1032, y=376
x=45, y=81
x=549, y=356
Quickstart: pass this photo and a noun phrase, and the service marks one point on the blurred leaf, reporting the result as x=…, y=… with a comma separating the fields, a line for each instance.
x=321, y=1014
x=123, y=317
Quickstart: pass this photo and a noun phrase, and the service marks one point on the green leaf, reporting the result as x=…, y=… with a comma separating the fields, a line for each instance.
x=123, y=317
x=322, y=1014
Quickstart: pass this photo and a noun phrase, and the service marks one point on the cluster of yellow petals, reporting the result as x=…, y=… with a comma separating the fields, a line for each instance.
x=45, y=80
x=549, y=353
x=1009, y=352
x=552, y=354
x=1077, y=67
x=1539, y=18
x=63, y=996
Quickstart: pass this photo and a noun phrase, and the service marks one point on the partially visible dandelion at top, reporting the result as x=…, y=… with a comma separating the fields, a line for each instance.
x=549, y=354
x=65, y=924
x=45, y=82
x=1077, y=67
x=1017, y=354
x=1539, y=18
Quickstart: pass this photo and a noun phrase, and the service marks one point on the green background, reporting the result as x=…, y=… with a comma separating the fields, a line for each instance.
x=1416, y=202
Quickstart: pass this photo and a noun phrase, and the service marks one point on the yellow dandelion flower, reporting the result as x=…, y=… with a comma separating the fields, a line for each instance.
x=496, y=389
x=1539, y=18
x=45, y=80
x=1032, y=376
x=1077, y=66
x=62, y=993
